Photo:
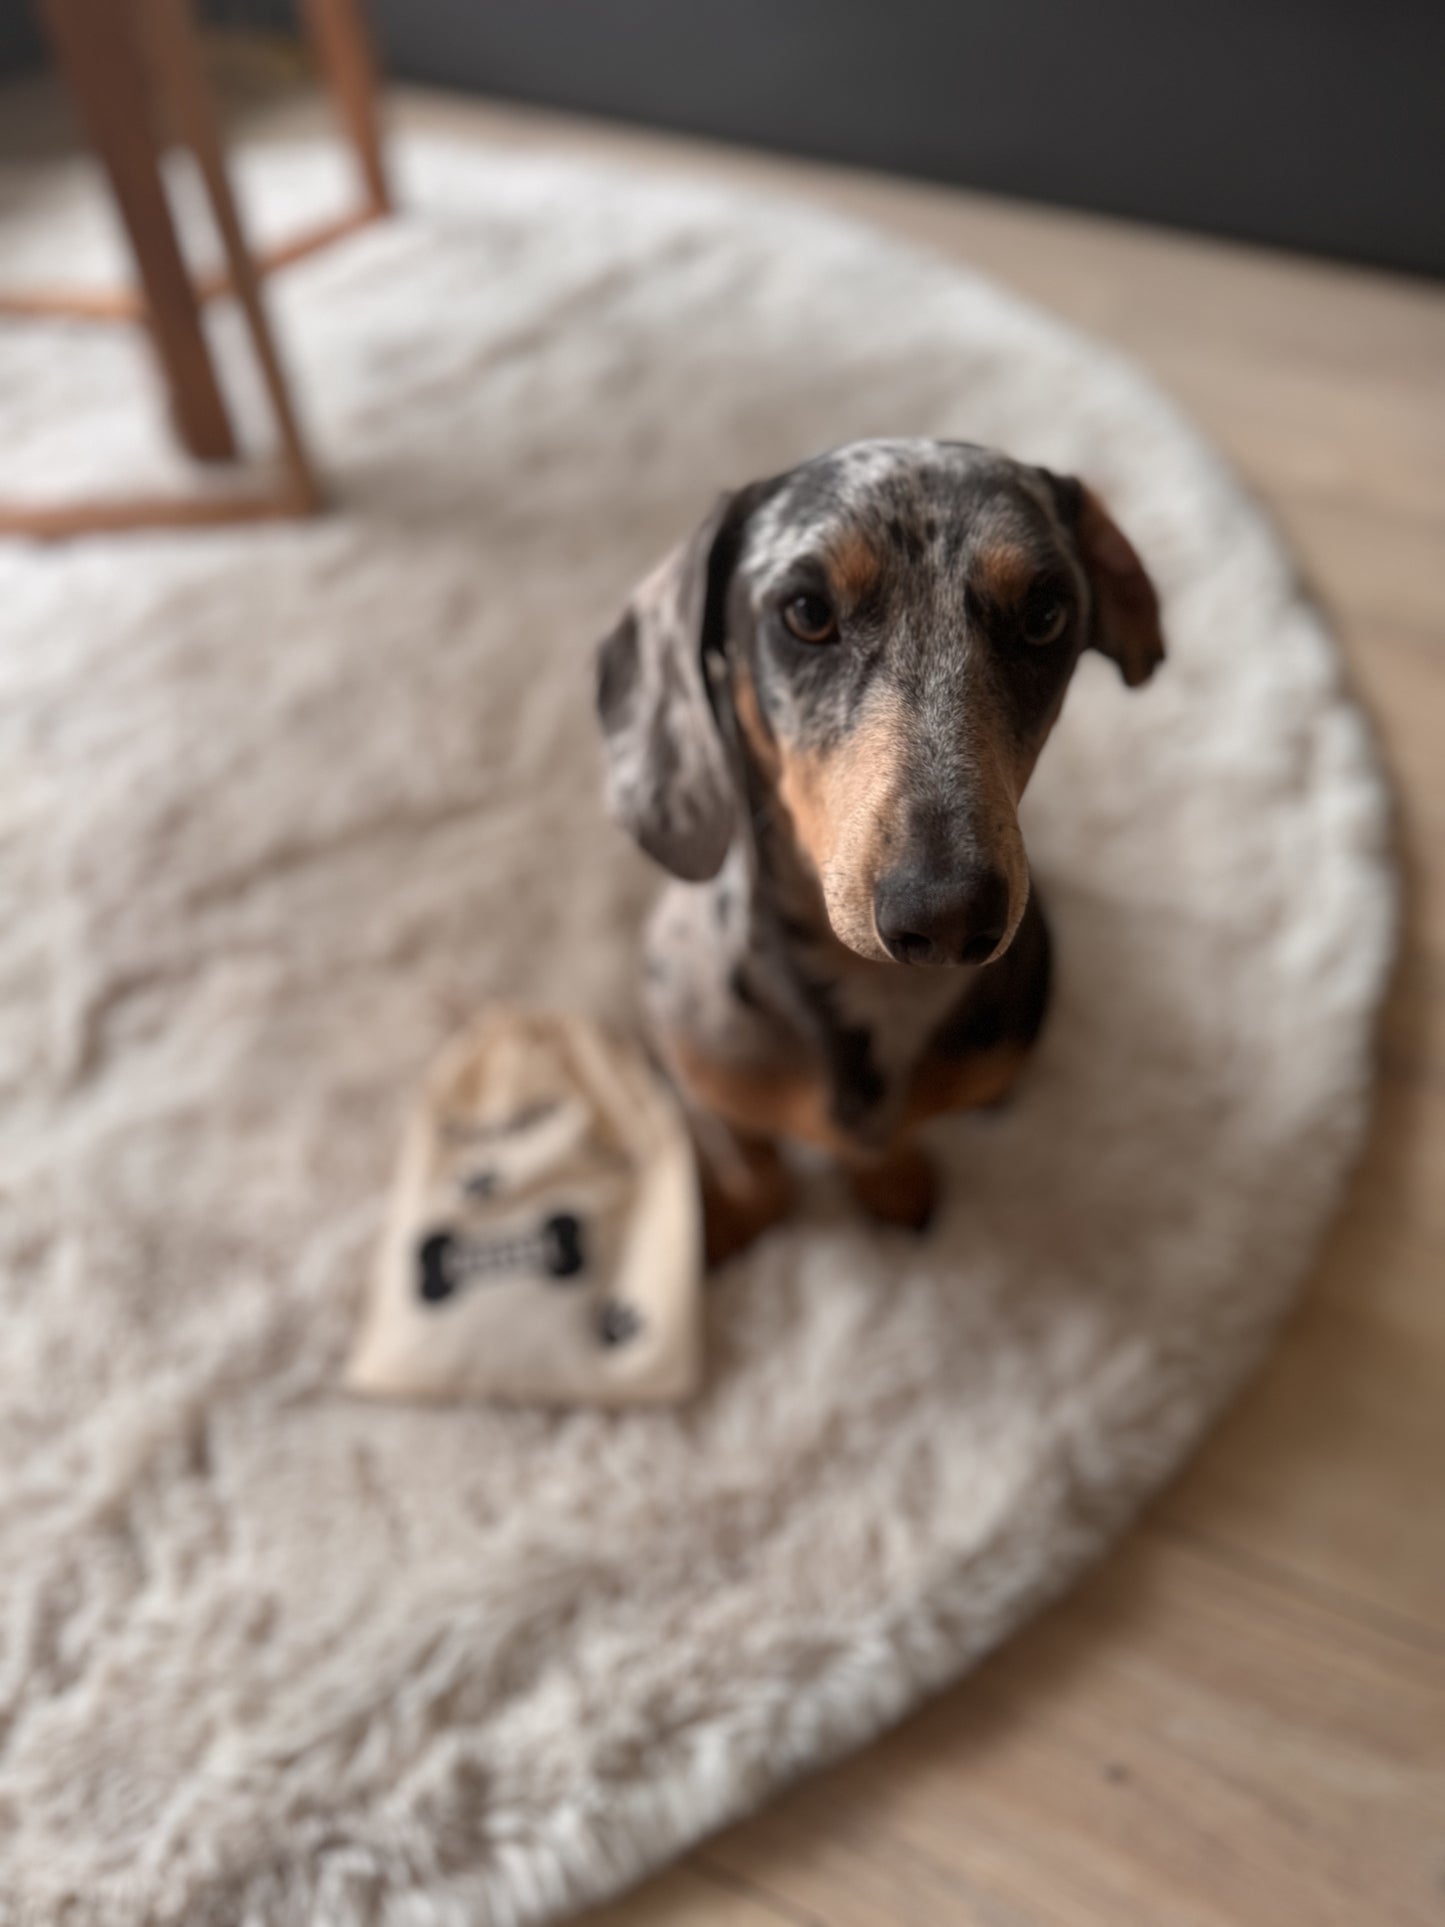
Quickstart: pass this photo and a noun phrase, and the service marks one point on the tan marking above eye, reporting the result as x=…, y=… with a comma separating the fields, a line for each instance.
x=853, y=568
x=1005, y=573
x=1040, y=602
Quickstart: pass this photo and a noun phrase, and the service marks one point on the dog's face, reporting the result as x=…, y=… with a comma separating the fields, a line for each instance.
x=883, y=637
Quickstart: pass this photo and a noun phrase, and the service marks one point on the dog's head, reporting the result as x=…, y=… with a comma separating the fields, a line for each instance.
x=883, y=637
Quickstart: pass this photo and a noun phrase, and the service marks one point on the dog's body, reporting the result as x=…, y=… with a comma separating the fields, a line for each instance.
x=821, y=714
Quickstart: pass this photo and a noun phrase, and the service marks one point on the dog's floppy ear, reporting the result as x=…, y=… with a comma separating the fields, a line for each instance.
x=668, y=777
x=1124, y=622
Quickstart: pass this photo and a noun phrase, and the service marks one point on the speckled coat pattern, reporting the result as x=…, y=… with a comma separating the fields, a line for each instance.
x=279, y=807
x=876, y=765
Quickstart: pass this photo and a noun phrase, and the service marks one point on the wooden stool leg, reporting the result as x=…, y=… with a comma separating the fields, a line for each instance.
x=95, y=43
x=343, y=47
x=176, y=51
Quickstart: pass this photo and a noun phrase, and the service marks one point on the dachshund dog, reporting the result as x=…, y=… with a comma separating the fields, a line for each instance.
x=820, y=713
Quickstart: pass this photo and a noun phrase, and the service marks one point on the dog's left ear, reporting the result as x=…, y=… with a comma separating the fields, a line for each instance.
x=668, y=777
x=1124, y=621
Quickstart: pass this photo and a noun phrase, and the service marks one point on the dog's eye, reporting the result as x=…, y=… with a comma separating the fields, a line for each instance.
x=1046, y=613
x=810, y=618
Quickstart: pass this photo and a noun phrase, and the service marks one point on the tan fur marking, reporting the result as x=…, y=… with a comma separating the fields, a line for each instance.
x=853, y=568
x=772, y=1103
x=804, y=785
x=794, y=1103
x=745, y=1191
x=1005, y=573
x=839, y=804
x=758, y=736
x=899, y=1189
x=963, y=1084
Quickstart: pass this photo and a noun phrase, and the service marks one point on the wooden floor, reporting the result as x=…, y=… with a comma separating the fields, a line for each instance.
x=1240, y=1720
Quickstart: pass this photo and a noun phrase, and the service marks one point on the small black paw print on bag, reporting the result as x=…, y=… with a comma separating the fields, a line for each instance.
x=618, y=1323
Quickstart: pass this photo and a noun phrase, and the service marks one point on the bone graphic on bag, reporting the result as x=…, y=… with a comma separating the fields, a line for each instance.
x=446, y=1262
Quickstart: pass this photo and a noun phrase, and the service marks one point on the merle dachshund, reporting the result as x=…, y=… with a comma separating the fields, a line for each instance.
x=820, y=714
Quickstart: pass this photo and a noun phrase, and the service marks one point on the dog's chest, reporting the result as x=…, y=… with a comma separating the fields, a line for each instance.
x=898, y=1018
x=873, y=1026
x=719, y=981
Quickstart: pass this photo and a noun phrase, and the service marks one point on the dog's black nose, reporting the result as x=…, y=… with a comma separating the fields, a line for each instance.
x=924, y=918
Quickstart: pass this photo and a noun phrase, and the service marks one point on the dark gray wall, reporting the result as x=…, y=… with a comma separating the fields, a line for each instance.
x=1315, y=124
x=19, y=37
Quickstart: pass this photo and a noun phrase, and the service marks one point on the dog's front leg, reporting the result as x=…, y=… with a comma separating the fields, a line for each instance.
x=899, y=1188
x=746, y=1186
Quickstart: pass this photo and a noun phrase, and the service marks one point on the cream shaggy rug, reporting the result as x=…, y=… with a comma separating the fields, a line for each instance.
x=280, y=806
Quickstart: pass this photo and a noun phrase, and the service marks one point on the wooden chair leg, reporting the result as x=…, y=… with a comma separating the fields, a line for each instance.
x=342, y=44
x=176, y=52
x=96, y=45
x=344, y=50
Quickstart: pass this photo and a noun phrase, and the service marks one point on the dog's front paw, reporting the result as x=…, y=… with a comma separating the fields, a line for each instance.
x=741, y=1200
x=900, y=1189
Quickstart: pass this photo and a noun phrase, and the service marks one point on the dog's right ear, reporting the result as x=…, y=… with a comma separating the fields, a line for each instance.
x=668, y=777
x=1124, y=622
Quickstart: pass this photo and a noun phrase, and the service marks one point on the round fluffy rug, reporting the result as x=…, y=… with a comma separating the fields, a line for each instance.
x=281, y=805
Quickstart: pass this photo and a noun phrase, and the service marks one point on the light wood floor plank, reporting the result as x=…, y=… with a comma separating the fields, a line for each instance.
x=699, y=1896
x=1349, y=1408
x=1184, y=1743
